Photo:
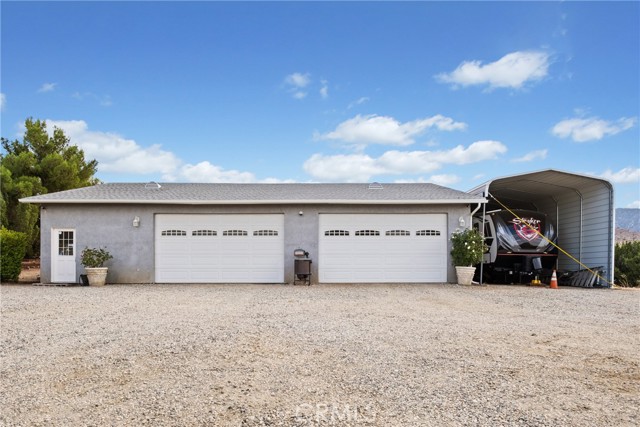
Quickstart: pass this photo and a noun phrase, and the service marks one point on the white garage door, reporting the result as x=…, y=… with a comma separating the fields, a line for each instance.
x=375, y=248
x=219, y=248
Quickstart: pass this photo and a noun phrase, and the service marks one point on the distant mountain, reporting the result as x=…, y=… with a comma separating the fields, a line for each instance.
x=628, y=219
x=623, y=235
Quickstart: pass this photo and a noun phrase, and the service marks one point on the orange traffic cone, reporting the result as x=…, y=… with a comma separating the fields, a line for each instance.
x=554, y=281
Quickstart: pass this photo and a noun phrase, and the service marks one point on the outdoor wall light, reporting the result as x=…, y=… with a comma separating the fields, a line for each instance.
x=136, y=221
x=300, y=213
x=461, y=221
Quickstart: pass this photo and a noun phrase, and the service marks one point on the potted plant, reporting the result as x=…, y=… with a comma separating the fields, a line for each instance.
x=93, y=259
x=467, y=249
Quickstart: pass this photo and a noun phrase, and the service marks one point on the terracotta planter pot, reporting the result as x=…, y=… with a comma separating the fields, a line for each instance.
x=465, y=275
x=97, y=276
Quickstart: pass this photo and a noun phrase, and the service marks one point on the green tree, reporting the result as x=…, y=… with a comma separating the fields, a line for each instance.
x=627, y=268
x=39, y=164
x=18, y=216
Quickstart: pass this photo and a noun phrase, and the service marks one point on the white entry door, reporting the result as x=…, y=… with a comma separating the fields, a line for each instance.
x=383, y=248
x=219, y=248
x=63, y=256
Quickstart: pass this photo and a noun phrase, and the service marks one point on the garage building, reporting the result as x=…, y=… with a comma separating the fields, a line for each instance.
x=247, y=233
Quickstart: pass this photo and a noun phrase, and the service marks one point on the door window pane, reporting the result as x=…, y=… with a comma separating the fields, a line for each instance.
x=65, y=243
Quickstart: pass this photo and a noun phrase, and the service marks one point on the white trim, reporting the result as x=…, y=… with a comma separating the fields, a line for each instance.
x=258, y=202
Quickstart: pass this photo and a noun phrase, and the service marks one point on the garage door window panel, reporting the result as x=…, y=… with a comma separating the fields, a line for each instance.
x=265, y=233
x=397, y=233
x=202, y=233
x=176, y=233
x=235, y=233
x=336, y=233
x=367, y=233
x=427, y=233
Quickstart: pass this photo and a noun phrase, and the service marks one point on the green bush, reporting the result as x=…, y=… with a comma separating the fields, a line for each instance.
x=94, y=257
x=467, y=248
x=13, y=246
x=627, y=268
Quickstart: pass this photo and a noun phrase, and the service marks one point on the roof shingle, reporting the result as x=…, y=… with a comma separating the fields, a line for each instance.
x=174, y=193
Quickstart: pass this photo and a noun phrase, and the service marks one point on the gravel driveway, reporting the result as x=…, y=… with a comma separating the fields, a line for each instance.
x=360, y=355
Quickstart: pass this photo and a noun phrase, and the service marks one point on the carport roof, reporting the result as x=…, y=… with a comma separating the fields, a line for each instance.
x=174, y=193
x=535, y=185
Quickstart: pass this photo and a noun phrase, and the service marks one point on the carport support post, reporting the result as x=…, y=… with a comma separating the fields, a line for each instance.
x=484, y=212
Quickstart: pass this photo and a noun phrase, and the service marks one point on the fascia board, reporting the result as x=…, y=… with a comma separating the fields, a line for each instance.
x=256, y=202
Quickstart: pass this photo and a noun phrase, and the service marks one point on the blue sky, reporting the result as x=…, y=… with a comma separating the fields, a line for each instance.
x=454, y=93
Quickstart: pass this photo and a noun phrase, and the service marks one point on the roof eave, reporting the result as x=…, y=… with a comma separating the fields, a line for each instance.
x=257, y=202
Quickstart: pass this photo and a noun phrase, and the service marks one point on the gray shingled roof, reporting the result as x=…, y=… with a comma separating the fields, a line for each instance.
x=173, y=193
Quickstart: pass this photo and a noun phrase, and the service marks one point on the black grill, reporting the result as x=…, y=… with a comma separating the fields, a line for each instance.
x=301, y=267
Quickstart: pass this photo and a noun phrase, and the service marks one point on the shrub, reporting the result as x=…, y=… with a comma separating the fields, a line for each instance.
x=627, y=266
x=468, y=248
x=13, y=246
x=94, y=257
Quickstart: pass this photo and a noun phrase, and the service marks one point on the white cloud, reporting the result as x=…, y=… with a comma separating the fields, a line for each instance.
x=444, y=179
x=533, y=155
x=298, y=79
x=341, y=167
x=116, y=154
x=477, y=152
x=47, y=87
x=299, y=94
x=324, y=90
x=210, y=173
x=634, y=205
x=296, y=82
x=206, y=172
x=511, y=71
x=420, y=180
x=358, y=101
x=361, y=167
x=589, y=129
x=3, y=101
x=623, y=176
x=104, y=100
x=373, y=129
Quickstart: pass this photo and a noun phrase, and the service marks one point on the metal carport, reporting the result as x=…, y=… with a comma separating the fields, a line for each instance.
x=582, y=207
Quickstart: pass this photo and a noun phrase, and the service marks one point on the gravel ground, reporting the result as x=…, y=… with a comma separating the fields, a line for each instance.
x=357, y=355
